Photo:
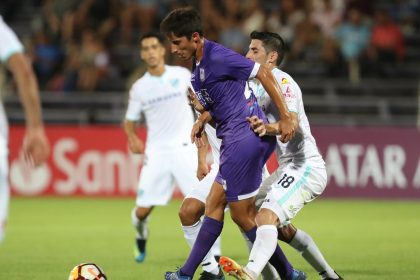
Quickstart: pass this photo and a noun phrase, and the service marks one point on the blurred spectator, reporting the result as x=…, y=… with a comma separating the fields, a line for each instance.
x=285, y=19
x=327, y=16
x=254, y=17
x=93, y=62
x=353, y=38
x=386, y=45
x=99, y=15
x=406, y=13
x=86, y=67
x=47, y=58
x=138, y=13
x=232, y=35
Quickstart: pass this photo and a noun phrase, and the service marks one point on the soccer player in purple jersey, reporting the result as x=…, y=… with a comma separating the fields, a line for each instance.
x=219, y=80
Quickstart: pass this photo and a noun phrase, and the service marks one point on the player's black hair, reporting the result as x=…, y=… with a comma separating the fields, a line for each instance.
x=153, y=34
x=271, y=42
x=182, y=22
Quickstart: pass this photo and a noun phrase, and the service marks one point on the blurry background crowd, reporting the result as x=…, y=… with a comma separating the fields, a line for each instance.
x=92, y=45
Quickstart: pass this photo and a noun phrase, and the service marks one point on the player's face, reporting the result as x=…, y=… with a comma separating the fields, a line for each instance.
x=183, y=47
x=257, y=52
x=152, y=52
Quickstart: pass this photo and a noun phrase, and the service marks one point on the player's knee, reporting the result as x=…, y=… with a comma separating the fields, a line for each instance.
x=266, y=217
x=142, y=213
x=190, y=212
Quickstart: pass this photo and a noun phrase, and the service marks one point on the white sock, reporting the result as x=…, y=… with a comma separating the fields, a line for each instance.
x=268, y=272
x=209, y=263
x=305, y=245
x=262, y=250
x=140, y=225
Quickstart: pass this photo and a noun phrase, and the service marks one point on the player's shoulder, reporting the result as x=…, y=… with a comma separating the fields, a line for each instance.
x=141, y=83
x=283, y=77
x=177, y=70
x=218, y=53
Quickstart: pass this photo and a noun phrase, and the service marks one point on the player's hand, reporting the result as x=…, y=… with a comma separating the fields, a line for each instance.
x=135, y=145
x=194, y=101
x=286, y=129
x=257, y=125
x=36, y=147
x=196, y=133
x=202, y=170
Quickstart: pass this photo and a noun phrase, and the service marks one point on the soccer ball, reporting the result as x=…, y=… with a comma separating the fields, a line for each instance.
x=87, y=271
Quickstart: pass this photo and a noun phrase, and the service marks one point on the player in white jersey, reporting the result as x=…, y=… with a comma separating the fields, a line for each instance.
x=35, y=145
x=300, y=178
x=169, y=155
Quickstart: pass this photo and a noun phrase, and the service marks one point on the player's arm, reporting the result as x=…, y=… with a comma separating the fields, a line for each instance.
x=262, y=129
x=198, y=128
x=194, y=101
x=203, y=168
x=135, y=144
x=36, y=146
x=285, y=126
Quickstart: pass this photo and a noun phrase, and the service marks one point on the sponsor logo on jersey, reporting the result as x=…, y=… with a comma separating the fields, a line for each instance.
x=284, y=81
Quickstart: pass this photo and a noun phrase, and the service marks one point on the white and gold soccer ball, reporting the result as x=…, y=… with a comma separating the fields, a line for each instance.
x=87, y=271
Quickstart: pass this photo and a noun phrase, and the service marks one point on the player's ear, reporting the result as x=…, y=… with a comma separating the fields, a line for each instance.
x=195, y=37
x=273, y=56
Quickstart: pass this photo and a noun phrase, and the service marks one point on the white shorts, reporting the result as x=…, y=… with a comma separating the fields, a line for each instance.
x=160, y=173
x=202, y=189
x=291, y=188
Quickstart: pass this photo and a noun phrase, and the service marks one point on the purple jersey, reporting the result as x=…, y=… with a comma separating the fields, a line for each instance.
x=219, y=81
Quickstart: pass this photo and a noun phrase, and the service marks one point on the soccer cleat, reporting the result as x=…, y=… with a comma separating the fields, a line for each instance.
x=208, y=276
x=176, y=276
x=298, y=275
x=140, y=257
x=232, y=268
x=329, y=278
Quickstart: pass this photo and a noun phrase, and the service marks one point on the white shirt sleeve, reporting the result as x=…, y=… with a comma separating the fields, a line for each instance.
x=254, y=70
x=134, y=106
x=290, y=93
x=9, y=42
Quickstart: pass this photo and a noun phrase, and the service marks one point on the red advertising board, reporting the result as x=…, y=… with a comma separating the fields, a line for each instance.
x=94, y=160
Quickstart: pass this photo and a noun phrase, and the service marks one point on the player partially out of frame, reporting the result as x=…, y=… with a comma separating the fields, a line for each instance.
x=35, y=148
x=300, y=178
x=169, y=155
x=219, y=78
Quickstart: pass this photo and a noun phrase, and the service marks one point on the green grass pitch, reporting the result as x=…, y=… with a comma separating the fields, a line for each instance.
x=46, y=237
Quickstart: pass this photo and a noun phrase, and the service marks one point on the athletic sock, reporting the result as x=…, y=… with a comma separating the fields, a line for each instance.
x=209, y=263
x=278, y=259
x=268, y=272
x=263, y=248
x=305, y=245
x=209, y=232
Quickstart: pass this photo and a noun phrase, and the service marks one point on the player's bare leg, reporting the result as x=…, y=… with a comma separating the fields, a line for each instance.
x=139, y=217
x=190, y=215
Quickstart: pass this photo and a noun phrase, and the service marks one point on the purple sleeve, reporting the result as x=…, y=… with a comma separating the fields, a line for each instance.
x=232, y=65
